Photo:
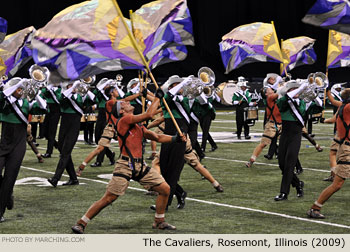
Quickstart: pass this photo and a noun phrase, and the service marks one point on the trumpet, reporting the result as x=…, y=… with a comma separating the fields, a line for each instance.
x=316, y=82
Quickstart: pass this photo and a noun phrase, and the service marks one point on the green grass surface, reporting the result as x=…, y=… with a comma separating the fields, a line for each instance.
x=245, y=207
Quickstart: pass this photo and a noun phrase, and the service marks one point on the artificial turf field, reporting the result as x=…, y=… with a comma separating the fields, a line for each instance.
x=245, y=207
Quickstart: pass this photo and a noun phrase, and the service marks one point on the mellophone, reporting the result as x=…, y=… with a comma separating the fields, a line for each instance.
x=88, y=118
x=38, y=118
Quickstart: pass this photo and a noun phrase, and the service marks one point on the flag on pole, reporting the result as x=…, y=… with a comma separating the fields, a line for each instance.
x=296, y=52
x=330, y=14
x=85, y=39
x=255, y=42
x=163, y=28
x=3, y=29
x=338, y=54
x=15, y=51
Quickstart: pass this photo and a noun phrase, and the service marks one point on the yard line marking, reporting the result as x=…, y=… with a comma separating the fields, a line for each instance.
x=215, y=203
x=271, y=213
x=276, y=165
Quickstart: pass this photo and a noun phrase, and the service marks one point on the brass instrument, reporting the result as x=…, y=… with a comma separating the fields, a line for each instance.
x=84, y=85
x=204, y=83
x=316, y=82
x=118, y=80
x=39, y=77
x=207, y=76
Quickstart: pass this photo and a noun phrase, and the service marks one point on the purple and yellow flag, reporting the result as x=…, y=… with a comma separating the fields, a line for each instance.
x=163, y=28
x=330, y=14
x=296, y=52
x=3, y=28
x=15, y=51
x=256, y=42
x=85, y=39
x=338, y=49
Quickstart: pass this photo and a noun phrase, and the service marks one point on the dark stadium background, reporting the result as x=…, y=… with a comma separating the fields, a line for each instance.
x=211, y=20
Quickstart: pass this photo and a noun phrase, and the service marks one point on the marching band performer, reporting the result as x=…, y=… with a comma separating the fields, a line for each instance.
x=207, y=116
x=342, y=170
x=273, y=124
x=272, y=81
x=52, y=117
x=292, y=110
x=109, y=132
x=172, y=154
x=89, y=109
x=131, y=165
x=71, y=111
x=336, y=94
x=242, y=100
x=14, y=111
x=191, y=158
x=133, y=87
x=101, y=122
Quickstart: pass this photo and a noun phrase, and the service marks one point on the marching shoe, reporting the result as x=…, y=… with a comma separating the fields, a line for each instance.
x=2, y=219
x=299, y=171
x=281, y=196
x=330, y=178
x=239, y=137
x=247, y=137
x=78, y=228
x=267, y=156
x=53, y=182
x=213, y=148
x=46, y=155
x=55, y=144
x=40, y=159
x=152, y=156
x=219, y=188
x=181, y=201
x=163, y=226
x=249, y=164
x=71, y=182
x=96, y=164
x=318, y=148
x=80, y=170
x=315, y=213
x=153, y=207
x=300, y=191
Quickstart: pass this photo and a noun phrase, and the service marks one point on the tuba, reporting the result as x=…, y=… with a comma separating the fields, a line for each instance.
x=84, y=85
x=316, y=82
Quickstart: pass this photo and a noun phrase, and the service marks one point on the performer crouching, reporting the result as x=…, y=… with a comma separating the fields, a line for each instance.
x=131, y=165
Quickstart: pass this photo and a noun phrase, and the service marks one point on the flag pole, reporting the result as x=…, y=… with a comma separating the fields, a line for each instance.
x=275, y=35
x=132, y=38
x=327, y=64
x=282, y=65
